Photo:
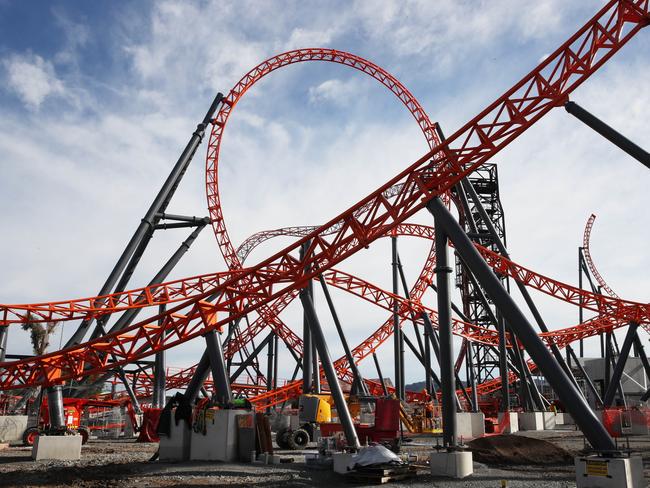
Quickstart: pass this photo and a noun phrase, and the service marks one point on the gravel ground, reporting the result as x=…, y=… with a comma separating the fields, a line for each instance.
x=126, y=464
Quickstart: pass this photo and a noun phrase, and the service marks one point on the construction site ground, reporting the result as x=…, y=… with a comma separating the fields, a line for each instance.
x=125, y=463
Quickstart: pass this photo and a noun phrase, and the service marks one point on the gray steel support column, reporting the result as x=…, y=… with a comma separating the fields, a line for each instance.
x=381, y=376
x=420, y=359
x=129, y=316
x=222, y=392
x=609, y=133
x=580, y=308
x=158, y=205
x=407, y=295
x=251, y=357
x=590, y=383
x=397, y=332
x=269, y=365
x=620, y=365
x=55, y=407
x=4, y=333
x=307, y=365
x=315, y=368
x=447, y=378
x=129, y=391
x=433, y=338
x=337, y=323
x=469, y=355
x=427, y=364
x=608, y=360
x=330, y=373
x=557, y=378
x=200, y=375
x=159, y=373
x=503, y=366
x=276, y=344
x=642, y=355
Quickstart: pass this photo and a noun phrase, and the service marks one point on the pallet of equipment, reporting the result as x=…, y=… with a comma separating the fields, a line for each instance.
x=381, y=474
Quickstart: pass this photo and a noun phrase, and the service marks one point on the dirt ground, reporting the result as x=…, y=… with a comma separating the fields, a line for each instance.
x=125, y=464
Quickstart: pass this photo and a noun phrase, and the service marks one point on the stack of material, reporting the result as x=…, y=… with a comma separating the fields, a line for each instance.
x=381, y=473
x=378, y=465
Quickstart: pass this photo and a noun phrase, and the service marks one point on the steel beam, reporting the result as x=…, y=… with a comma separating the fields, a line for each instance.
x=397, y=332
x=590, y=383
x=379, y=373
x=200, y=375
x=307, y=365
x=549, y=366
x=642, y=355
x=503, y=366
x=330, y=373
x=55, y=407
x=407, y=295
x=613, y=136
x=447, y=377
x=222, y=392
x=4, y=333
x=615, y=380
x=348, y=353
x=251, y=357
x=159, y=373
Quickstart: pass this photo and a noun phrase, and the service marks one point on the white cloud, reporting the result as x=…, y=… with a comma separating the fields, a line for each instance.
x=32, y=78
x=337, y=91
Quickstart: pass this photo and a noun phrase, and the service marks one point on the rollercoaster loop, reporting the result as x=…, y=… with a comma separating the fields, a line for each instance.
x=252, y=288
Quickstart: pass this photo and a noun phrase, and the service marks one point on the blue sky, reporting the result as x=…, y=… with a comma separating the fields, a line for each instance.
x=99, y=98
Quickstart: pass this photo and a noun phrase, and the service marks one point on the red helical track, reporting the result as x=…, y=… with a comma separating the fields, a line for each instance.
x=244, y=290
x=588, y=259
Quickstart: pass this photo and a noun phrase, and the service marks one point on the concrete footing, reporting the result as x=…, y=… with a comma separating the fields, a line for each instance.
x=12, y=427
x=470, y=425
x=176, y=446
x=456, y=464
x=600, y=472
x=57, y=447
x=550, y=420
x=219, y=442
x=508, y=422
x=531, y=421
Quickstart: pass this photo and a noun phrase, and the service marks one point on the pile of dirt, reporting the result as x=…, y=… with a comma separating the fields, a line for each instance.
x=515, y=449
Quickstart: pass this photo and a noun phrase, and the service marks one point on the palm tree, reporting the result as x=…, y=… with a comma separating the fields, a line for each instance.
x=39, y=334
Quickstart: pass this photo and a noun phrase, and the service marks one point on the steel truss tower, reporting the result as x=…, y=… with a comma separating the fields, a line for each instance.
x=485, y=181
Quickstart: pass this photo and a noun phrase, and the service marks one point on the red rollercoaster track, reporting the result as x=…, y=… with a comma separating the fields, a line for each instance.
x=270, y=285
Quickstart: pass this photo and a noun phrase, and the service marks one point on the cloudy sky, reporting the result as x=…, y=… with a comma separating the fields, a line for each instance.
x=99, y=98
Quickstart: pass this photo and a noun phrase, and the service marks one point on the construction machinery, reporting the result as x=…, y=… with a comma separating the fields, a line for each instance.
x=75, y=410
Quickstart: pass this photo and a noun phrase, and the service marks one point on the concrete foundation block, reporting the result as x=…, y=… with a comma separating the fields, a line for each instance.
x=57, y=447
x=550, y=420
x=600, y=472
x=219, y=443
x=508, y=422
x=12, y=427
x=176, y=446
x=567, y=419
x=470, y=425
x=457, y=464
x=341, y=461
x=531, y=421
